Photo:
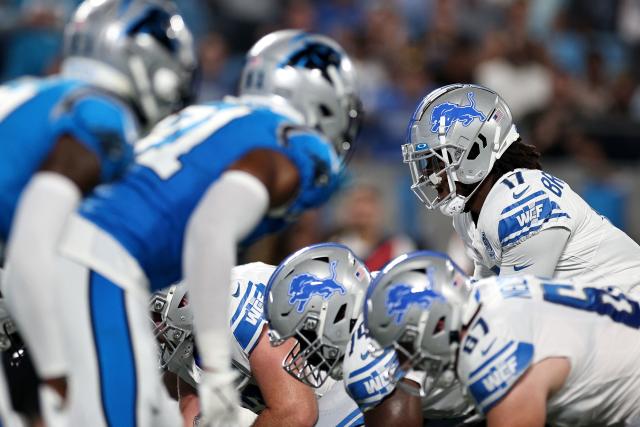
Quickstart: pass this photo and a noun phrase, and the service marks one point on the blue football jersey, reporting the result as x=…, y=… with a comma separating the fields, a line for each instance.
x=35, y=113
x=147, y=211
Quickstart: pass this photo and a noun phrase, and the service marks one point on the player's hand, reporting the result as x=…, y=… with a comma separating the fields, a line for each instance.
x=219, y=403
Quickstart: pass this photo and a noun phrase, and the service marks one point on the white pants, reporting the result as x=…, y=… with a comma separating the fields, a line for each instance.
x=337, y=409
x=114, y=379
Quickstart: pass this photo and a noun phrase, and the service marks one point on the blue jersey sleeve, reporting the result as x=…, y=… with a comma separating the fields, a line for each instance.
x=103, y=124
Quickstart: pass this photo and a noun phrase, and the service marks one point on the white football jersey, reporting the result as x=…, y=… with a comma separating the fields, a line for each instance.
x=525, y=202
x=246, y=320
x=368, y=380
x=523, y=320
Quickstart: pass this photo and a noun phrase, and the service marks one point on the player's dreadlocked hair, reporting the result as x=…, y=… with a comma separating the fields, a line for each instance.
x=518, y=156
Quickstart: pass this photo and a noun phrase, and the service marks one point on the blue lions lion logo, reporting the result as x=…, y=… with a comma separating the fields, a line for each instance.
x=452, y=113
x=304, y=286
x=401, y=296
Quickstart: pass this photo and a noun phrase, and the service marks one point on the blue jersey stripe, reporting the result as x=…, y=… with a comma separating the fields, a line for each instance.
x=523, y=201
x=491, y=359
x=116, y=360
x=353, y=416
x=532, y=229
x=488, y=390
x=241, y=304
x=368, y=366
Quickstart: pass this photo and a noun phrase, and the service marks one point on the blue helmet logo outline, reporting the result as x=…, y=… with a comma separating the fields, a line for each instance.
x=401, y=296
x=453, y=113
x=306, y=285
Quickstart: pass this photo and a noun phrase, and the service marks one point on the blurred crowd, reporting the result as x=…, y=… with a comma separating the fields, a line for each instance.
x=569, y=69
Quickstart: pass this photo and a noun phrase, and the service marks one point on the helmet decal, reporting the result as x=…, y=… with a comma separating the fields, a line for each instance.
x=453, y=113
x=314, y=55
x=304, y=286
x=402, y=296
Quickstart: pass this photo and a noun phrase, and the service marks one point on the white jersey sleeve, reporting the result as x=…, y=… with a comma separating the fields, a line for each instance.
x=368, y=380
x=246, y=314
x=524, y=203
x=524, y=320
x=367, y=377
x=521, y=204
x=495, y=353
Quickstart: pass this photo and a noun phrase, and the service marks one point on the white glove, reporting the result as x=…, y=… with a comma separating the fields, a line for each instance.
x=219, y=401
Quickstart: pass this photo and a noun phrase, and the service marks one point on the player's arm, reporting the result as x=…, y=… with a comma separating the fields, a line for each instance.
x=231, y=208
x=288, y=401
x=399, y=408
x=50, y=196
x=188, y=402
x=538, y=255
x=525, y=405
x=72, y=159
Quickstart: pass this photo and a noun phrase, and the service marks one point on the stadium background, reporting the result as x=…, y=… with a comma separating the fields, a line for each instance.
x=570, y=70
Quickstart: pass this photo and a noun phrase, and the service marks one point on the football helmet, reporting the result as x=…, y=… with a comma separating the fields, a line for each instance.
x=8, y=331
x=455, y=135
x=312, y=74
x=173, y=326
x=140, y=50
x=415, y=305
x=315, y=296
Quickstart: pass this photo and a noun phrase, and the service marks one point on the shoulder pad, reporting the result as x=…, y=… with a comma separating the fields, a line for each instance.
x=100, y=113
x=247, y=304
x=524, y=203
x=102, y=123
x=367, y=378
x=495, y=353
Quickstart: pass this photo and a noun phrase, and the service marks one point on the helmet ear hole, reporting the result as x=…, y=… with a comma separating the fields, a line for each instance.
x=474, y=152
x=325, y=111
x=341, y=313
x=439, y=327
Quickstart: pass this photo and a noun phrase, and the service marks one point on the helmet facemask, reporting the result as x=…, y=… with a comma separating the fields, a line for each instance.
x=173, y=339
x=310, y=361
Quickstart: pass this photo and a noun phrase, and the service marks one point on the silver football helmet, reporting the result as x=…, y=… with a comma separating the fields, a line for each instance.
x=173, y=325
x=312, y=74
x=315, y=296
x=455, y=135
x=7, y=328
x=415, y=305
x=139, y=49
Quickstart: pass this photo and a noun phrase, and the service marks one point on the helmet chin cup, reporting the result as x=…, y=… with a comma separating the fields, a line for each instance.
x=454, y=206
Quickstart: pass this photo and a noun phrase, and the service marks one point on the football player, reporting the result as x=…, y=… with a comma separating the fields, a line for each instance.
x=204, y=181
x=466, y=158
x=390, y=393
x=126, y=65
x=265, y=388
x=315, y=297
x=529, y=351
